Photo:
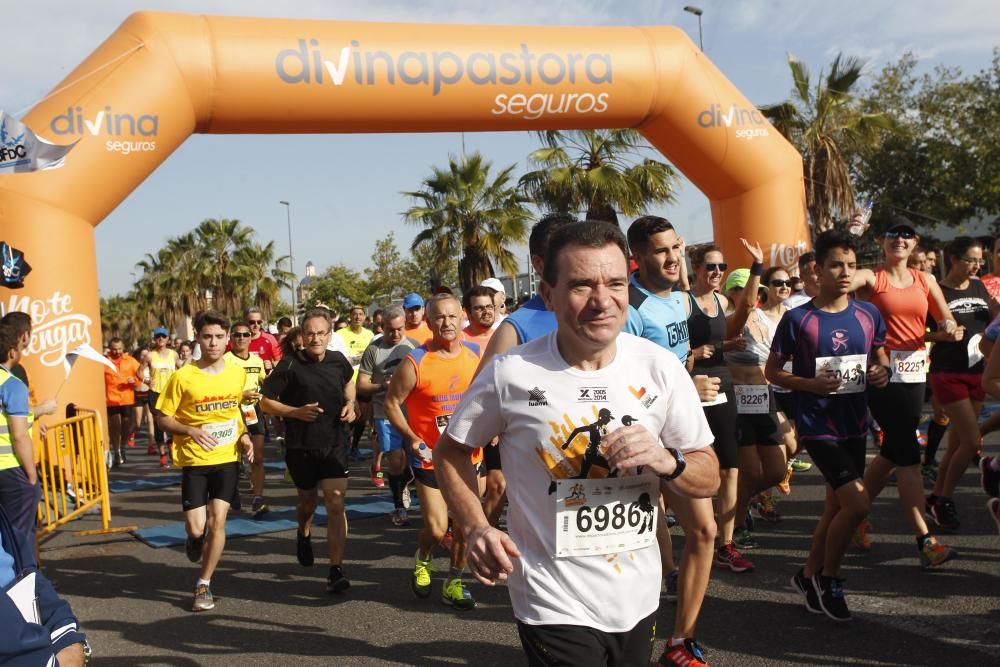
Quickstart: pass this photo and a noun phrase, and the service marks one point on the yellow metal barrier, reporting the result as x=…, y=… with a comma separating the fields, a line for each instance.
x=73, y=474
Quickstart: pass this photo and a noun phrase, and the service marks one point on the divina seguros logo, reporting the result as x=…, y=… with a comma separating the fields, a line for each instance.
x=77, y=121
x=307, y=64
x=749, y=123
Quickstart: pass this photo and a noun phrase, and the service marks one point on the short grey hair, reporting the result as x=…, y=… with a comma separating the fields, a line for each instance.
x=392, y=312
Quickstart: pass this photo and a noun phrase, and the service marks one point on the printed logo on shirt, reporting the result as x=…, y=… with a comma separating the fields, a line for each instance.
x=839, y=340
x=643, y=396
x=677, y=333
x=536, y=397
x=213, y=403
x=591, y=394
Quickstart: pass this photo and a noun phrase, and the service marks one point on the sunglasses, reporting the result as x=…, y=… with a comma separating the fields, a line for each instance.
x=253, y=322
x=160, y=336
x=242, y=334
x=721, y=266
x=782, y=283
x=973, y=261
x=906, y=235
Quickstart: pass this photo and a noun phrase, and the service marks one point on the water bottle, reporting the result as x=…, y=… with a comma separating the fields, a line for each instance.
x=857, y=227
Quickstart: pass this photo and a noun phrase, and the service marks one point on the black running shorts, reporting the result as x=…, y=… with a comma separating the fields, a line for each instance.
x=308, y=466
x=758, y=430
x=840, y=461
x=199, y=484
x=257, y=428
x=897, y=407
x=580, y=646
x=491, y=457
x=722, y=420
x=124, y=411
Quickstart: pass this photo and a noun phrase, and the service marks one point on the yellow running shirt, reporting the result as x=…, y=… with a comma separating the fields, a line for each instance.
x=356, y=344
x=211, y=403
x=253, y=366
x=161, y=368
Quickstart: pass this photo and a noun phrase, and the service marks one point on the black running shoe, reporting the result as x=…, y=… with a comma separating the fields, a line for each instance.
x=193, y=547
x=944, y=514
x=337, y=582
x=303, y=549
x=989, y=478
x=830, y=591
x=805, y=588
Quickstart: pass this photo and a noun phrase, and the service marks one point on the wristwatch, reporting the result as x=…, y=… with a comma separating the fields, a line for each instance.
x=681, y=465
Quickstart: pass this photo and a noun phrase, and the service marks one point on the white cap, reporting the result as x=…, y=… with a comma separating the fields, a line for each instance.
x=494, y=284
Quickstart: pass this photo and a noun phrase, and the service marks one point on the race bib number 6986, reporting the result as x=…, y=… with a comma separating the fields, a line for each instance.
x=603, y=516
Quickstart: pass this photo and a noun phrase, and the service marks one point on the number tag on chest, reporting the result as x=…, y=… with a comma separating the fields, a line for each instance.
x=752, y=399
x=908, y=366
x=605, y=516
x=224, y=432
x=850, y=369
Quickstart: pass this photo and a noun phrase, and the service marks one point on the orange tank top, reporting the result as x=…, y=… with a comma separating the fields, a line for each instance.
x=903, y=309
x=441, y=383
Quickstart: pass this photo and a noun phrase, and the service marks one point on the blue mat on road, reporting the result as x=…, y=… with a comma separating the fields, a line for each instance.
x=172, y=534
x=161, y=481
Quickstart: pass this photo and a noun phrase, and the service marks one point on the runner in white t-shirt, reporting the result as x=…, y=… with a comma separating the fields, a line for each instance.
x=581, y=557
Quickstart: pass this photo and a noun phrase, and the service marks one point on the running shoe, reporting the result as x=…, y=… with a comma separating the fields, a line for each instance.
x=119, y=458
x=944, y=514
x=671, y=520
x=203, y=600
x=749, y=522
x=785, y=485
x=164, y=464
x=399, y=517
x=193, y=547
x=765, y=507
x=929, y=472
x=304, y=549
x=860, y=539
x=686, y=654
x=830, y=591
x=337, y=582
x=933, y=553
x=989, y=478
x=728, y=556
x=406, y=497
x=258, y=506
x=993, y=506
x=671, y=584
x=798, y=465
x=131, y=440
x=422, y=573
x=744, y=539
x=457, y=595
x=151, y=450
x=805, y=588
x=377, y=477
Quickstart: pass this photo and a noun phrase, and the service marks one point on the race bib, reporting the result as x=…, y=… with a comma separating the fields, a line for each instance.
x=752, y=399
x=975, y=354
x=850, y=369
x=605, y=516
x=908, y=366
x=224, y=432
x=249, y=414
x=718, y=400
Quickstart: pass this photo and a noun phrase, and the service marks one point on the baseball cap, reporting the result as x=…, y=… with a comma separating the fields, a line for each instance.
x=413, y=300
x=901, y=224
x=738, y=278
x=160, y=331
x=493, y=284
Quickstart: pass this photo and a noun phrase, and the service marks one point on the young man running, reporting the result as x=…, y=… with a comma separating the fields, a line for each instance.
x=200, y=407
x=835, y=344
x=313, y=392
x=581, y=552
x=430, y=382
x=253, y=367
x=162, y=365
x=378, y=364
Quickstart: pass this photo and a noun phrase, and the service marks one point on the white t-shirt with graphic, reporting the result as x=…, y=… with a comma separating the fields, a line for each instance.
x=535, y=401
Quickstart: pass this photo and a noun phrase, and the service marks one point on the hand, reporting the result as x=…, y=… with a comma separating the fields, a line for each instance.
x=31, y=473
x=204, y=439
x=347, y=413
x=247, y=447
x=878, y=376
x=708, y=388
x=268, y=365
x=309, y=412
x=754, y=250
x=948, y=326
x=70, y=656
x=825, y=383
x=634, y=446
x=421, y=451
x=858, y=220
x=45, y=408
x=703, y=352
x=955, y=335
x=489, y=554
x=252, y=396
x=681, y=245
x=739, y=343
x=43, y=430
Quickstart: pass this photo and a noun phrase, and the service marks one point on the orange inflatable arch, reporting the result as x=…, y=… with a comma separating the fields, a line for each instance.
x=161, y=77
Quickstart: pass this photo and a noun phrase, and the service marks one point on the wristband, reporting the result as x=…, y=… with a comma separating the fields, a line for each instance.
x=757, y=269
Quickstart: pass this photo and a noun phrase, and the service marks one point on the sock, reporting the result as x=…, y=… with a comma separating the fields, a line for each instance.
x=396, y=486
x=995, y=463
x=675, y=641
x=921, y=539
x=455, y=572
x=934, y=434
x=202, y=582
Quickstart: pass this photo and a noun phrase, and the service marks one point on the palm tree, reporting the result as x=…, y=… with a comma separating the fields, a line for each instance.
x=468, y=214
x=829, y=127
x=602, y=172
x=219, y=242
x=263, y=275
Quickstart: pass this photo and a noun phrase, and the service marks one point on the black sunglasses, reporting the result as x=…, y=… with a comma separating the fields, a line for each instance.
x=781, y=283
x=242, y=334
x=257, y=322
x=906, y=235
x=721, y=266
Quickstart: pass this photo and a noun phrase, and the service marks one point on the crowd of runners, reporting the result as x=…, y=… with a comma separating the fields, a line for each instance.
x=553, y=448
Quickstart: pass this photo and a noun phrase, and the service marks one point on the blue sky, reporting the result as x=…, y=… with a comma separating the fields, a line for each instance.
x=345, y=189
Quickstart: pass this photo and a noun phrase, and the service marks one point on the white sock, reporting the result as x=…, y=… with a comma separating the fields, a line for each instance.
x=202, y=582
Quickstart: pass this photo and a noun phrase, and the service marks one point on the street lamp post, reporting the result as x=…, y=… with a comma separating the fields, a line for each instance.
x=291, y=257
x=691, y=9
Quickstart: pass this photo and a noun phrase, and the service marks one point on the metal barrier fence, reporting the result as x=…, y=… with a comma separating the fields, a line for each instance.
x=73, y=474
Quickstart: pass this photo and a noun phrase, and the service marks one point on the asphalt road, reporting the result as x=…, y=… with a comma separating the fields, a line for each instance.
x=133, y=601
